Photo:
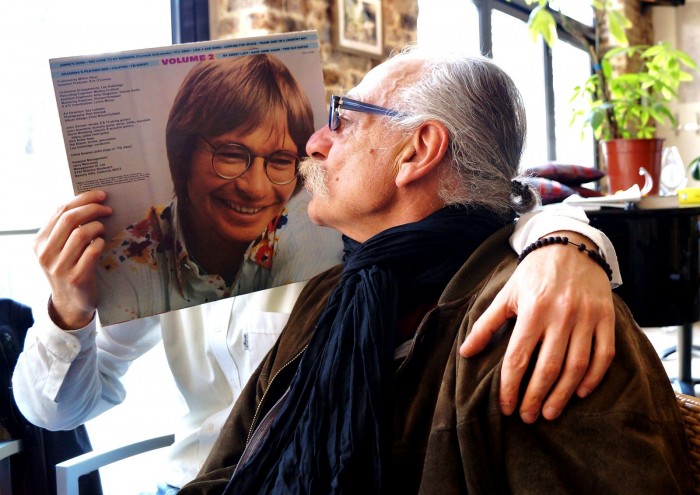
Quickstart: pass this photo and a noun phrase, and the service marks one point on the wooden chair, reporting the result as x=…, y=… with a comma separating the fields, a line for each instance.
x=690, y=410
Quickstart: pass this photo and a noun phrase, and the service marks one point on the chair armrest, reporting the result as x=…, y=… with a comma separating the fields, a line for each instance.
x=68, y=472
x=9, y=448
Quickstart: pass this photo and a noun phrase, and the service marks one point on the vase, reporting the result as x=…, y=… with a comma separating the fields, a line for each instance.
x=633, y=161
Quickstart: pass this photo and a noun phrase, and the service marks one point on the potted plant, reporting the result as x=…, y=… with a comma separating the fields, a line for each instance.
x=623, y=109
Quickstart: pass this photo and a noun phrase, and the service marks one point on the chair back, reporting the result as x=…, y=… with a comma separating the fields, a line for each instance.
x=690, y=410
x=7, y=449
x=69, y=472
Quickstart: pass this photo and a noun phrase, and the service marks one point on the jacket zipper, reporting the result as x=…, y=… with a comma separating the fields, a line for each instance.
x=262, y=399
x=260, y=432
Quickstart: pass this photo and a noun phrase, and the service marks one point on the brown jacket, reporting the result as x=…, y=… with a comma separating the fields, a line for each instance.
x=627, y=437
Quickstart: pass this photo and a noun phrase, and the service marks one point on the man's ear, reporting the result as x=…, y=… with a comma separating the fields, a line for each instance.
x=422, y=153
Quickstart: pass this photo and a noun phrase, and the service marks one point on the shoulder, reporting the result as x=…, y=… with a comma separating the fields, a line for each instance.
x=313, y=297
x=307, y=310
x=485, y=272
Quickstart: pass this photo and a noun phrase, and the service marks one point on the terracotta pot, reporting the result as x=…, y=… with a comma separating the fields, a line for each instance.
x=633, y=161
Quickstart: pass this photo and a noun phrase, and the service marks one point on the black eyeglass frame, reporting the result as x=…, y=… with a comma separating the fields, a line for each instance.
x=251, y=158
x=340, y=102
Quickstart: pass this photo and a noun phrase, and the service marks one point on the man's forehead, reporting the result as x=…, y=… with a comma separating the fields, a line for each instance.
x=386, y=78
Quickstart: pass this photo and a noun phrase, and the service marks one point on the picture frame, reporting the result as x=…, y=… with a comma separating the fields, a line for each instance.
x=360, y=27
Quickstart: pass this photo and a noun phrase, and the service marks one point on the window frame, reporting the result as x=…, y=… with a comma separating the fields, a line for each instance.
x=189, y=20
x=190, y=23
x=520, y=10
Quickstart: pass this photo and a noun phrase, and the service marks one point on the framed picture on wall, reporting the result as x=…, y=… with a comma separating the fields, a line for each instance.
x=359, y=26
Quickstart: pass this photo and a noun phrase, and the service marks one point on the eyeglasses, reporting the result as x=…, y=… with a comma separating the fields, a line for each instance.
x=340, y=102
x=231, y=160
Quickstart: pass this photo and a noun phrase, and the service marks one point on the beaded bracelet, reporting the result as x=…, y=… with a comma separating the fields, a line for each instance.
x=594, y=255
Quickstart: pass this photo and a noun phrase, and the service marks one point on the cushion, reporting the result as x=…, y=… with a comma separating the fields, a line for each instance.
x=566, y=174
x=584, y=192
x=551, y=191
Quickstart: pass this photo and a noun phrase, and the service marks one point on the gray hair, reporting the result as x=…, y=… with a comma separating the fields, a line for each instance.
x=484, y=114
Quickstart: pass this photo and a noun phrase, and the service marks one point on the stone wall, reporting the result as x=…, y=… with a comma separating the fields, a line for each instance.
x=342, y=70
x=642, y=33
x=640, y=15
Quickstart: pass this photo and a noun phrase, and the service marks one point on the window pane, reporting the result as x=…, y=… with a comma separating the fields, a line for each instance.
x=576, y=9
x=514, y=50
x=570, y=68
x=30, y=135
x=21, y=278
x=448, y=24
x=34, y=177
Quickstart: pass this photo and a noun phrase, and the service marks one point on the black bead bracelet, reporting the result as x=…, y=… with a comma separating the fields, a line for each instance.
x=546, y=241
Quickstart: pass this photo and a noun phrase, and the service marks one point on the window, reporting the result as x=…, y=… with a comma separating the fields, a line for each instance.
x=513, y=49
x=34, y=176
x=34, y=181
x=458, y=29
x=546, y=78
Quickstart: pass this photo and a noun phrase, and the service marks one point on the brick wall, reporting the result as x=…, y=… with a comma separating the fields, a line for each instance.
x=342, y=70
x=642, y=32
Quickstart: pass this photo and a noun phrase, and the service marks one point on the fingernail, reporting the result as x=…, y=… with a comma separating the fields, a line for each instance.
x=507, y=408
x=583, y=392
x=466, y=348
x=551, y=412
x=528, y=417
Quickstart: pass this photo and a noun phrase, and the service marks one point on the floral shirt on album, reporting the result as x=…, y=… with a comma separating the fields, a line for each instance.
x=147, y=269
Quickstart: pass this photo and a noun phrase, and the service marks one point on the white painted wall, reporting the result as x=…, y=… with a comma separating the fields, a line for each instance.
x=681, y=26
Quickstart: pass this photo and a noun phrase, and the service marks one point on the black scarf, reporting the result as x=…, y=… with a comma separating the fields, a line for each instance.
x=333, y=434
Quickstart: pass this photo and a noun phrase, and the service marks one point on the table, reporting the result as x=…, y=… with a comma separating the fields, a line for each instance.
x=659, y=255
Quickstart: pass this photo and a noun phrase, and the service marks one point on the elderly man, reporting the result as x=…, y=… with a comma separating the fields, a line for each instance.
x=365, y=391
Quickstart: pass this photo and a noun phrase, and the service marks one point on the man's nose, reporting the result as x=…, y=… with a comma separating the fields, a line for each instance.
x=319, y=143
x=254, y=181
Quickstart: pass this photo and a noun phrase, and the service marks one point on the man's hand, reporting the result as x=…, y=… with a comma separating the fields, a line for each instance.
x=562, y=300
x=68, y=249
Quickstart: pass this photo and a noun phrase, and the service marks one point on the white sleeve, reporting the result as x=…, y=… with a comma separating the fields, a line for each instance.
x=64, y=378
x=553, y=218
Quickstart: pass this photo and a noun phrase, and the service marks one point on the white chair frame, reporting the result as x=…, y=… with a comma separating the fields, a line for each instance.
x=68, y=472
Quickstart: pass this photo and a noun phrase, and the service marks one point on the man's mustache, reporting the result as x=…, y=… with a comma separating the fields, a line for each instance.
x=314, y=177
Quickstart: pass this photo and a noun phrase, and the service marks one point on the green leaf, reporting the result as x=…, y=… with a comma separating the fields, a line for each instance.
x=636, y=100
x=687, y=60
x=541, y=22
x=665, y=114
x=694, y=168
x=684, y=76
x=613, y=52
x=596, y=118
x=617, y=23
